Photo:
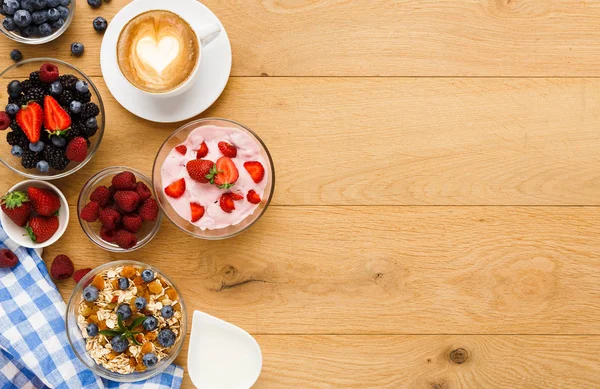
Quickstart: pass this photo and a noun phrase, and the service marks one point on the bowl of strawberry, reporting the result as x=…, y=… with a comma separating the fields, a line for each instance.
x=53, y=119
x=34, y=213
x=117, y=209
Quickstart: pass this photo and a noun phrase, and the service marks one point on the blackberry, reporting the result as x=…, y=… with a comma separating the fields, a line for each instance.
x=68, y=81
x=35, y=94
x=30, y=159
x=77, y=129
x=84, y=97
x=16, y=100
x=89, y=110
x=34, y=76
x=55, y=157
x=89, y=132
x=66, y=98
x=17, y=138
x=28, y=84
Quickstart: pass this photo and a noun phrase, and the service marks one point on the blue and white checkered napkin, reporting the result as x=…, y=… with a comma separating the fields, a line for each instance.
x=34, y=350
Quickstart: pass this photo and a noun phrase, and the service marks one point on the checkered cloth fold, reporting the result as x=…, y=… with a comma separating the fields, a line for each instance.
x=34, y=350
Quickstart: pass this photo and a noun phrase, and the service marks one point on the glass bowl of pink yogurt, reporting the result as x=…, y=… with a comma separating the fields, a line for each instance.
x=204, y=205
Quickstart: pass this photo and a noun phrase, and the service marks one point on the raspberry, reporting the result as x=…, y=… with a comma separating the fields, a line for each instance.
x=48, y=73
x=77, y=149
x=62, y=268
x=90, y=212
x=79, y=274
x=127, y=200
x=125, y=239
x=101, y=195
x=143, y=191
x=5, y=121
x=109, y=218
x=124, y=181
x=148, y=211
x=107, y=235
x=132, y=222
x=8, y=258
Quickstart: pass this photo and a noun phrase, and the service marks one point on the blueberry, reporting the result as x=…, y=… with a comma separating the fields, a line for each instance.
x=16, y=55
x=167, y=311
x=149, y=360
x=12, y=109
x=81, y=86
x=91, y=123
x=43, y=166
x=45, y=29
x=125, y=311
x=123, y=283
x=147, y=275
x=11, y=6
x=58, y=24
x=40, y=4
x=53, y=14
x=64, y=11
x=37, y=146
x=77, y=49
x=75, y=107
x=9, y=24
x=27, y=5
x=150, y=323
x=39, y=17
x=140, y=303
x=166, y=338
x=58, y=141
x=22, y=18
x=95, y=3
x=90, y=293
x=65, y=3
x=51, y=3
x=92, y=329
x=17, y=151
x=29, y=31
x=119, y=343
x=100, y=24
x=14, y=88
x=56, y=88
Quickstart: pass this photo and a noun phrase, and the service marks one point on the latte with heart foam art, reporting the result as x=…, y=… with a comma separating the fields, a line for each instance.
x=157, y=51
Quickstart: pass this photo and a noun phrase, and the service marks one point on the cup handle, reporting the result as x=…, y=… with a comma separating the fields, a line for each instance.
x=208, y=33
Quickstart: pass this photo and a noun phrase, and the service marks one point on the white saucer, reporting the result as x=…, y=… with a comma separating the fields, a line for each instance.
x=215, y=65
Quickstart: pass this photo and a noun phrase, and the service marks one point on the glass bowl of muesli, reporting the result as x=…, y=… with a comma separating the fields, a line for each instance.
x=126, y=321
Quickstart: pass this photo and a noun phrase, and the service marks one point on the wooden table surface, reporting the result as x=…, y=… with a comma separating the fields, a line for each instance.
x=438, y=181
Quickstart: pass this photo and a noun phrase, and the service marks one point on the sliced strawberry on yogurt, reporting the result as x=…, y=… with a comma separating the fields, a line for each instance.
x=197, y=211
x=176, y=189
x=228, y=149
x=181, y=149
x=256, y=170
x=253, y=197
x=226, y=202
x=226, y=173
x=203, y=151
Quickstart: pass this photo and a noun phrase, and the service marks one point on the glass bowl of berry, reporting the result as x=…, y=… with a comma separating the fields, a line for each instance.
x=126, y=321
x=35, y=22
x=213, y=178
x=53, y=119
x=117, y=209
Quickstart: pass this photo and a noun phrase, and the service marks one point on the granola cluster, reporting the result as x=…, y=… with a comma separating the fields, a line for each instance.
x=130, y=318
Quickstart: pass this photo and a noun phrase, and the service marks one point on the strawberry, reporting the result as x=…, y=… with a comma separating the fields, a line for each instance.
x=148, y=211
x=199, y=170
x=56, y=119
x=176, y=189
x=5, y=121
x=8, y=259
x=90, y=212
x=132, y=222
x=109, y=218
x=253, y=197
x=79, y=274
x=17, y=207
x=124, y=181
x=48, y=73
x=197, y=211
x=62, y=267
x=30, y=118
x=77, y=149
x=227, y=149
x=127, y=200
x=224, y=174
x=181, y=149
x=107, y=235
x=256, y=170
x=101, y=195
x=44, y=201
x=41, y=228
x=125, y=239
x=143, y=190
x=203, y=151
x=226, y=202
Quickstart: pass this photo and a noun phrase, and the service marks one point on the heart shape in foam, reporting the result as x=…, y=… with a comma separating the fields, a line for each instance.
x=158, y=55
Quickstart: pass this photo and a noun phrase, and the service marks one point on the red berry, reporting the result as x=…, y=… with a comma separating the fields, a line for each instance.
x=62, y=268
x=101, y=195
x=56, y=119
x=48, y=73
x=44, y=201
x=125, y=239
x=124, y=181
x=253, y=197
x=17, y=207
x=226, y=202
x=90, y=212
x=197, y=211
x=8, y=259
x=228, y=149
x=30, y=118
x=79, y=274
x=143, y=190
x=109, y=218
x=132, y=222
x=176, y=189
x=199, y=169
x=5, y=121
x=148, y=211
x=127, y=200
x=107, y=235
x=41, y=228
x=181, y=149
x=256, y=170
x=77, y=149
x=203, y=151
x=227, y=173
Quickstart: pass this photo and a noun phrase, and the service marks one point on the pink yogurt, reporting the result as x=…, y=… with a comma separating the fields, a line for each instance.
x=208, y=195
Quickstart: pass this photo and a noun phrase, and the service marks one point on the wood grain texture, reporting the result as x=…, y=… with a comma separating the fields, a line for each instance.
x=386, y=37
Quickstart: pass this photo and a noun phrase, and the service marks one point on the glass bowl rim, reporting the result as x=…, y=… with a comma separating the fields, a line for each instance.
x=101, y=126
x=79, y=287
x=260, y=141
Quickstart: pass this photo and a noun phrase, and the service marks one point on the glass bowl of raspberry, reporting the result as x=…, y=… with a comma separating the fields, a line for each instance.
x=117, y=209
x=35, y=22
x=213, y=178
x=126, y=321
x=51, y=119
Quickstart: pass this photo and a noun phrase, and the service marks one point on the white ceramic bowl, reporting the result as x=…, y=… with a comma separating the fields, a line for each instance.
x=18, y=234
